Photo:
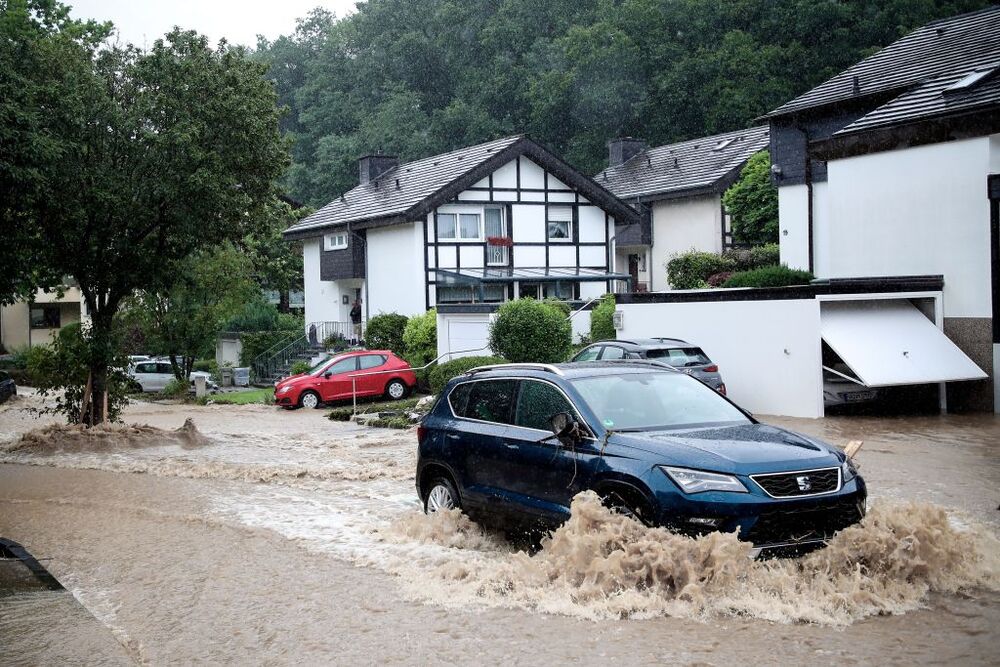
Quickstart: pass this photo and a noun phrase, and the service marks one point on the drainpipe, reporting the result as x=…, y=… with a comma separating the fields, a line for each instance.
x=809, y=202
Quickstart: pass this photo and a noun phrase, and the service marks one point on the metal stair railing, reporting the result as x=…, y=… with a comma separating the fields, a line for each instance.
x=277, y=357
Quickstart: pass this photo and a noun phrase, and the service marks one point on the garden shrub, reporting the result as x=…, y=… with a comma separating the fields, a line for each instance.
x=768, y=254
x=602, y=326
x=256, y=343
x=561, y=305
x=769, y=276
x=336, y=342
x=717, y=279
x=299, y=367
x=691, y=269
x=420, y=338
x=442, y=373
x=204, y=365
x=385, y=332
x=175, y=389
x=526, y=330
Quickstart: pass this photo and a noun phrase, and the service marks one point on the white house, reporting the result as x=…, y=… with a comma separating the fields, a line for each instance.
x=38, y=321
x=462, y=231
x=892, y=168
x=678, y=188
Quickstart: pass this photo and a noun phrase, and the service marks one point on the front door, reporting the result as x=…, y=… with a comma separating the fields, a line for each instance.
x=633, y=271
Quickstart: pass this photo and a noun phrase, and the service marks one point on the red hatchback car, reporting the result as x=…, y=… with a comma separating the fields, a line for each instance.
x=374, y=372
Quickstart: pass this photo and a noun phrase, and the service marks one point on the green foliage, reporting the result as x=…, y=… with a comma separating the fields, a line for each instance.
x=769, y=276
x=255, y=343
x=526, y=330
x=690, y=270
x=442, y=373
x=256, y=314
x=277, y=263
x=752, y=201
x=176, y=389
x=60, y=371
x=345, y=412
x=264, y=396
x=602, y=326
x=182, y=322
x=413, y=78
x=755, y=257
x=336, y=342
x=563, y=307
x=203, y=365
x=420, y=338
x=299, y=367
x=385, y=332
x=25, y=357
x=117, y=167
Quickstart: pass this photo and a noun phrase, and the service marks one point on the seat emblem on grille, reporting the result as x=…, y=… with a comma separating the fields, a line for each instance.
x=803, y=482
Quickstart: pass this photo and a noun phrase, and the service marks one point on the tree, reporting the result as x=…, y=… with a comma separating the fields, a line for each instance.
x=752, y=201
x=182, y=322
x=276, y=263
x=139, y=160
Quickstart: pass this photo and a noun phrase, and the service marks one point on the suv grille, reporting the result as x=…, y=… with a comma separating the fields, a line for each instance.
x=801, y=483
x=812, y=523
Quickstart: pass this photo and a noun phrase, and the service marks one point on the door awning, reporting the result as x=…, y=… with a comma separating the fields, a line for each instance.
x=892, y=343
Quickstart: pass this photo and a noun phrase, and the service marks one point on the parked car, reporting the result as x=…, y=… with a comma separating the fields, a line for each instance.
x=153, y=375
x=512, y=445
x=672, y=351
x=369, y=372
x=838, y=390
x=8, y=387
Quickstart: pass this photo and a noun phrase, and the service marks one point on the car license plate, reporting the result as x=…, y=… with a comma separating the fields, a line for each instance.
x=859, y=395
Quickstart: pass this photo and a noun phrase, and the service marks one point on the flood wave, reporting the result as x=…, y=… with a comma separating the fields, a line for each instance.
x=104, y=438
x=601, y=565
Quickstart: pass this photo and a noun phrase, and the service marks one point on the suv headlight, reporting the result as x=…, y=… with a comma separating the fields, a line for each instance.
x=847, y=471
x=696, y=481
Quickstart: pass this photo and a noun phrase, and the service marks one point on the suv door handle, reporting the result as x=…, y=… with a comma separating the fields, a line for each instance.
x=452, y=436
x=510, y=445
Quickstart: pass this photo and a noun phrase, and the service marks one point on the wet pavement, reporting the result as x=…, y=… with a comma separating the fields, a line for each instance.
x=283, y=537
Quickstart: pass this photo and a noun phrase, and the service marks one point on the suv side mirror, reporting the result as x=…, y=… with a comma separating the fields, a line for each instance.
x=565, y=427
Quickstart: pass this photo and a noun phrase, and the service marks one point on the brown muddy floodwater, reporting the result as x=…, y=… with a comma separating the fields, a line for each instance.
x=262, y=536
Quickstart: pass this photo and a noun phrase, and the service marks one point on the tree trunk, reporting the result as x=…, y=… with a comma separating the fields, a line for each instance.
x=177, y=367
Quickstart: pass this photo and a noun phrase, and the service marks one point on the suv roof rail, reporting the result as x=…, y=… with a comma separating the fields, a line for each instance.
x=538, y=367
x=641, y=362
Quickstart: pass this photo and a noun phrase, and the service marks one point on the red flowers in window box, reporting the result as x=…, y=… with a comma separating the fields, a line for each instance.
x=504, y=241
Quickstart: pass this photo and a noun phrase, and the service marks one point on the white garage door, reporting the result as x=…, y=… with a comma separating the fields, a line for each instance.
x=892, y=343
x=468, y=337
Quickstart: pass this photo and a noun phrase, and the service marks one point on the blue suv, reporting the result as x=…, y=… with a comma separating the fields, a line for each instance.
x=512, y=444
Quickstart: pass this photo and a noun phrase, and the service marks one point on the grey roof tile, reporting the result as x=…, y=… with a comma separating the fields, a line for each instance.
x=673, y=169
x=939, y=49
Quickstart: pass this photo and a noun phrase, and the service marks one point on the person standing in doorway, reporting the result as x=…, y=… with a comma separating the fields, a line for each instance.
x=356, y=320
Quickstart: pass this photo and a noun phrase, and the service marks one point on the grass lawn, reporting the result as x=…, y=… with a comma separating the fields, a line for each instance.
x=265, y=395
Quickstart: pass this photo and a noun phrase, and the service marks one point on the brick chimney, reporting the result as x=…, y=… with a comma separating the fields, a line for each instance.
x=371, y=167
x=624, y=148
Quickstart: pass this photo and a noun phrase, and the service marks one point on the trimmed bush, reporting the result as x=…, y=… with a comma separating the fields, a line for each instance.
x=385, y=332
x=175, y=389
x=719, y=278
x=420, y=338
x=768, y=254
x=691, y=269
x=204, y=365
x=561, y=305
x=526, y=330
x=602, y=325
x=769, y=276
x=299, y=367
x=442, y=373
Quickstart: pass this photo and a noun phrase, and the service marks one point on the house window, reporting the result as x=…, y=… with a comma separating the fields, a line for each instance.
x=497, y=250
x=335, y=241
x=45, y=317
x=560, y=223
x=561, y=291
x=459, y=226
x=471, y=293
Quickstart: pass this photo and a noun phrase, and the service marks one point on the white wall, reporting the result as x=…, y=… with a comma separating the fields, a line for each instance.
x=793, y=221
x=680, y=225
x=395, y=270
x=322, y=296
x=920, y=210
x=768, y=352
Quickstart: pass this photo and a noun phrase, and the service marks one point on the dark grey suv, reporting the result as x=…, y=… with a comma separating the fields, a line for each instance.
x=675, y=352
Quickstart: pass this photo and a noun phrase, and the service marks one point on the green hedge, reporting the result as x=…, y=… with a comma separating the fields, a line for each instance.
x=746, y=259
x=602, y=326
x=420, y=338
x=769, y=276
x=256, y=343
x=690, y=270
x=442, y=373
x=385, y=332
x=526, y=330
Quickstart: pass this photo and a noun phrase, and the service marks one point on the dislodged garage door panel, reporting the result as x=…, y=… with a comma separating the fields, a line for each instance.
x=891, y=342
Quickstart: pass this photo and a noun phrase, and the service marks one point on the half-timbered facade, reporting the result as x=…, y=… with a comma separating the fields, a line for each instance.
x=473, y=227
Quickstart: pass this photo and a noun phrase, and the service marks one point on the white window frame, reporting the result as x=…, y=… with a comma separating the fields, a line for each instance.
x=335, y=241
x=458, y=212
x=569, y=224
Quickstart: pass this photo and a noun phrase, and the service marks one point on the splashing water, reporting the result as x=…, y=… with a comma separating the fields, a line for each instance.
x=602, y=565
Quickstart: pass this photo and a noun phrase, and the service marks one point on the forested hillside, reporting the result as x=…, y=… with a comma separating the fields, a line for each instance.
x=416, y=77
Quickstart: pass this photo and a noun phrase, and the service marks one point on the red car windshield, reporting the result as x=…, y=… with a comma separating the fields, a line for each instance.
x=322, y=365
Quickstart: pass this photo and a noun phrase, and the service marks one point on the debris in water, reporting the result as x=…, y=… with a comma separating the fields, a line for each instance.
x=104, y=437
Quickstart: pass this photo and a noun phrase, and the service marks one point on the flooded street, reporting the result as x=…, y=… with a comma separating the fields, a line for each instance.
x=256, y=535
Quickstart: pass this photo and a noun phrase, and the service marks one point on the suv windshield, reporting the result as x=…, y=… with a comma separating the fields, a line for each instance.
x=680, y=357
x=649, y=401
